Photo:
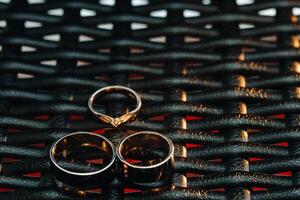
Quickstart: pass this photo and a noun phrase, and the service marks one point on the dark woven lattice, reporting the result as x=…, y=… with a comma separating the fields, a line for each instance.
x=219, y=78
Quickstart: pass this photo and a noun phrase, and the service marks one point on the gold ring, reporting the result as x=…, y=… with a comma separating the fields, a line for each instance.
x=71, y=160
x=148, y=169
x=118, y=120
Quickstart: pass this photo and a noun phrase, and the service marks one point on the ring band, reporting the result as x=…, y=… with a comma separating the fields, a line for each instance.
x=153, y=170
x=91, y=154
x=118, y=120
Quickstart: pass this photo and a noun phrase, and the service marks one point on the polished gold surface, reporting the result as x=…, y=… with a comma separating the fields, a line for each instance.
x=117, y=120
x=79, y=159
x=147, y=157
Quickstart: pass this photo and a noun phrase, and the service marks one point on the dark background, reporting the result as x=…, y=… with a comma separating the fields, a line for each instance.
x=220, y=78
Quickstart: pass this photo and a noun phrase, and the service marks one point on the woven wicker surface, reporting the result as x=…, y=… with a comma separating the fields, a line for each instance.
x=219, y=78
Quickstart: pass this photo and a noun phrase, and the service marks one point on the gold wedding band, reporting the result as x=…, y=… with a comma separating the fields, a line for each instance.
x=158, y=169
x=118, y=120
x=71, y=160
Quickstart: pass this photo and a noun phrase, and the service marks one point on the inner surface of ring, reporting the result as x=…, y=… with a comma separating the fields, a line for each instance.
x=82, y=153
x=110, y=96
x=145, y=150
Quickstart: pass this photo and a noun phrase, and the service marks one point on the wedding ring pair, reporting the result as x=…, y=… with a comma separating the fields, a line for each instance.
x=72, y=158
x=87, y=160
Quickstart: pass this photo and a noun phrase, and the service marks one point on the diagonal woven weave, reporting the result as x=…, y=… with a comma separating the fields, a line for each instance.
x=220, y=78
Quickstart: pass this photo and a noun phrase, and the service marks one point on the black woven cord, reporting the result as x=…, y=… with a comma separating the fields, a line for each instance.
x=220, y=78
